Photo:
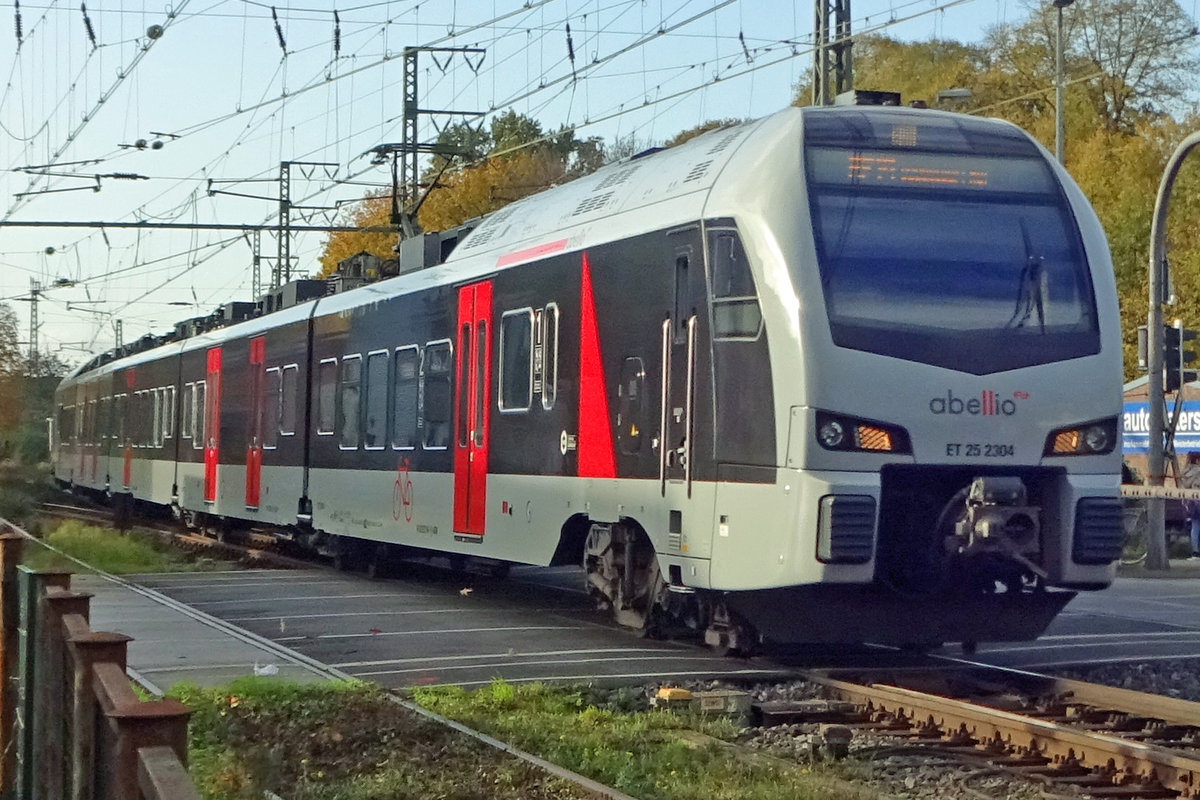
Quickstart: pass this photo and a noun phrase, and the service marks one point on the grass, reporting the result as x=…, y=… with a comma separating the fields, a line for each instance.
x=340, y=741
x=346, y=741
x=109, y=551
x=654, y=755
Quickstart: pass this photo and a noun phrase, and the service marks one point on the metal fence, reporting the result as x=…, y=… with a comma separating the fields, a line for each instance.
x=71, y=724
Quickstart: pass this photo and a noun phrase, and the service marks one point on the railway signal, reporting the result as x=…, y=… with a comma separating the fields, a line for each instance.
x=1176, y=358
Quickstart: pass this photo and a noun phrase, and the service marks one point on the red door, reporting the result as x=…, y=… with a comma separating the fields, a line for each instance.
x=254, y=429
x=471, y=400
x=212, y=423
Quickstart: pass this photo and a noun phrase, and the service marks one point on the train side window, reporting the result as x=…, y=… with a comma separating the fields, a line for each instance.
x=154, y=417
x=516, y=361
x=105, y=417
x=270, y=409
x=405, y=394
x=287, y=400
x=169, y=412
x=682, y=296
x=736, y=314
x=463, y=386
x=632, y=411
x=119, y=402
x=480, y=388
x=350, y=402
x=549, y=355
x=376, y=406
x=185, y=414
x=199, y=419
x=136, y=413
x=327, y=397
x=436, y=399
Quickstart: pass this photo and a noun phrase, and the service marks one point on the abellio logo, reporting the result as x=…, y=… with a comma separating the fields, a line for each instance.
x=988, y=404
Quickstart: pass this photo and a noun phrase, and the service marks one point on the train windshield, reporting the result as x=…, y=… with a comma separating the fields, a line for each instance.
x=941, y=245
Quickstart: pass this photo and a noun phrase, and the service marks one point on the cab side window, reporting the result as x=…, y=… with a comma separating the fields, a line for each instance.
x=736, y=314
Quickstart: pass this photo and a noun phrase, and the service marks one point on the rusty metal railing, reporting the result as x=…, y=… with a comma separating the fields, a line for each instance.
x=71, y=725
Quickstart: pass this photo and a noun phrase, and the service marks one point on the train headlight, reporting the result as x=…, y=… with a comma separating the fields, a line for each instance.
x=1086, y=439
x=832, y=434
x=837, y=432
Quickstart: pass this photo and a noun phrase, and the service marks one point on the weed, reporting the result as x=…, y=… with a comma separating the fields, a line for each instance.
x=107, y=550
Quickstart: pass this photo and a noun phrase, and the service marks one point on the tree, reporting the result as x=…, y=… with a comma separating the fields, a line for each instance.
x=704, y=127
x=1140, y=53
x=487, y=187
x=374, y=210
x=12, y=371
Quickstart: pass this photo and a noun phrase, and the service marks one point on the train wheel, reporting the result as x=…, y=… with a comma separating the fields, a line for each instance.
x=347, y=554
x=622, y=573
x=379, y=562
x=729, y=635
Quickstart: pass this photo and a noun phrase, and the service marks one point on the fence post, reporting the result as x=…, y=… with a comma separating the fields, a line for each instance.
x=10, y=622
x=31, y=772
x=132, y=725
x=57, y=679
x=87, y=648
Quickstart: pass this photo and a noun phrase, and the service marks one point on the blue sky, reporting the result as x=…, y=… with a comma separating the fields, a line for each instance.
x=229, y=101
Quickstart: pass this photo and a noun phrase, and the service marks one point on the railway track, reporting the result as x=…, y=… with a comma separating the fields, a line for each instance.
x=1105, y=741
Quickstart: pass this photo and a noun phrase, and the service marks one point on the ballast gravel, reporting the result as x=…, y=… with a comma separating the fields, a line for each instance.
x=897, y=769
x=1175, y=677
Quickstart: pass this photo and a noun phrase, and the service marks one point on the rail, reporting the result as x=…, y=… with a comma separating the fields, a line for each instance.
x=1098, y=760
x=71, y=725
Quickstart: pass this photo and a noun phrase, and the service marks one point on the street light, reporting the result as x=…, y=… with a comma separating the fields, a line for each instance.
x=1058, y=81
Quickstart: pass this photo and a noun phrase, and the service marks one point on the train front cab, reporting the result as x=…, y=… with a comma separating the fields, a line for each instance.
x=947, y=405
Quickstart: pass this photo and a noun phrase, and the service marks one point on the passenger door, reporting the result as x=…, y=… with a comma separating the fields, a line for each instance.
x=212, y=423
x=471, y=405
x=254, y=428
x=679, y=351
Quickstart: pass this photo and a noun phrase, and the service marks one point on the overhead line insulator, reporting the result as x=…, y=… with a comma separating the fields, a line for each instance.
x=87, y=24
x=279, y=31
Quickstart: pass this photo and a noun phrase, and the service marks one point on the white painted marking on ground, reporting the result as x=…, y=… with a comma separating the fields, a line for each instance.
x=368, y=634
x=674, y=659
x=1115, y=640
x=641, y=676
x=380, y=613
x=1112, y=660
x=477, y=656
x=241, y=584
x=305, y=598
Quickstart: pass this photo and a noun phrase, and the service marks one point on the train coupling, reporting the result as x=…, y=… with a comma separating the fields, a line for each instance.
x=998, y=520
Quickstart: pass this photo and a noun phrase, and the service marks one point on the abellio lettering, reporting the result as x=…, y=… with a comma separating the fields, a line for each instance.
x=987, y=404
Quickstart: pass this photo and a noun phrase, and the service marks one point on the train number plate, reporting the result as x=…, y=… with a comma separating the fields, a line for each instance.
x=980, y=450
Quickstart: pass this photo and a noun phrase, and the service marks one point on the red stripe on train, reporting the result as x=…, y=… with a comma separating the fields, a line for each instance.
x=595, y=445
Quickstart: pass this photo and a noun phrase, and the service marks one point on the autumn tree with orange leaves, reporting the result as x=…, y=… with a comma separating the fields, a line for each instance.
x=512, y=159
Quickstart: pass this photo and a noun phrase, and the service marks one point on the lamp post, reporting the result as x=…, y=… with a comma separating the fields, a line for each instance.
x=1058, y=80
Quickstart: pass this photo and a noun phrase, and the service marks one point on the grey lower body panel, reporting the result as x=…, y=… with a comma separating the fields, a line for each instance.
x=851, y=614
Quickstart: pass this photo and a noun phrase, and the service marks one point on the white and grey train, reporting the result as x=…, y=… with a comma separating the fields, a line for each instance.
x=840, y=374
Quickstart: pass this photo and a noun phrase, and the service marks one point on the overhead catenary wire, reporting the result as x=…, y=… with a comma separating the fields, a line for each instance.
x=587, y=116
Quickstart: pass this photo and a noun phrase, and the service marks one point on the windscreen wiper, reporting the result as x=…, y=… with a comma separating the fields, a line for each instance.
x=1029, y=288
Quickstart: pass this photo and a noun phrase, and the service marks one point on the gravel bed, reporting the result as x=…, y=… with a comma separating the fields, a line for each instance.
x=1176, y=677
